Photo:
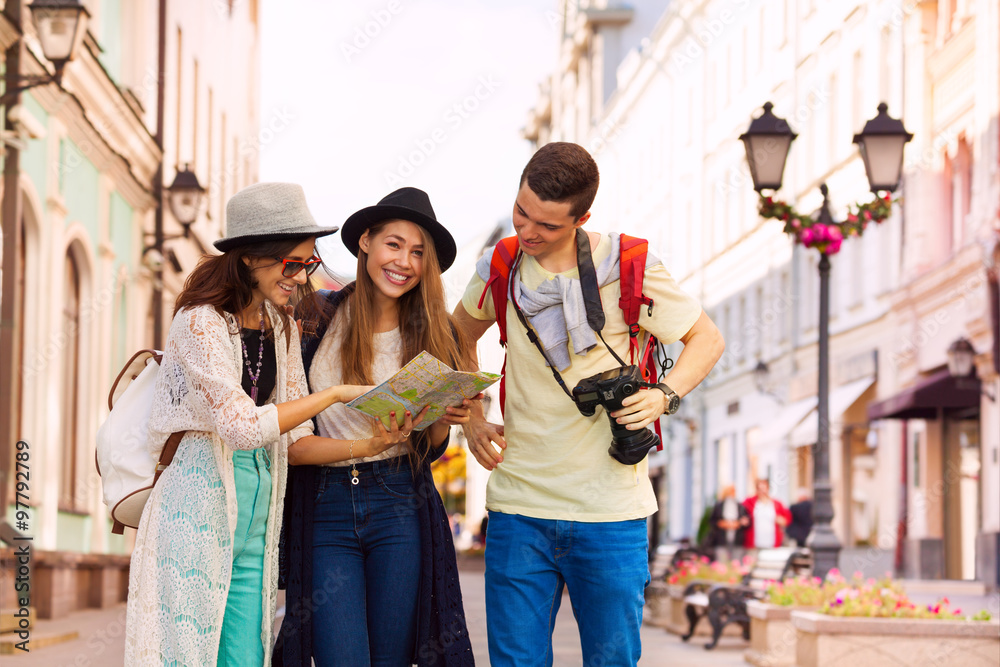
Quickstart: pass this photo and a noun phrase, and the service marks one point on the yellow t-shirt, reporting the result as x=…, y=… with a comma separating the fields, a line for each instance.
x=556, y=465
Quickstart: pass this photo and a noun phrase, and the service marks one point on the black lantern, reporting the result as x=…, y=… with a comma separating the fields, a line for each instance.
x=767, y=142
x=881, y=145
x=960, y=358
x=761, y=373
x=61, y=26
x=185, y=197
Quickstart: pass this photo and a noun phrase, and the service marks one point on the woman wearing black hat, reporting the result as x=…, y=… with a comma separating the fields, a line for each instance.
x=203, y=576
x=371, y=572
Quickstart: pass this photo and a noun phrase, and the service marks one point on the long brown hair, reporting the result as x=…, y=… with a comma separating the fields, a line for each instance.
x=226, y=281
x=424, y=322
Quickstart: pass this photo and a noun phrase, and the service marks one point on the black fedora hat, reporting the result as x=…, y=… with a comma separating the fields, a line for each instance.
x=409, y=204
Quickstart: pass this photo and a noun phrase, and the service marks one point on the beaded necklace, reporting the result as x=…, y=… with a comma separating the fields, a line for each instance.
x=260, y=356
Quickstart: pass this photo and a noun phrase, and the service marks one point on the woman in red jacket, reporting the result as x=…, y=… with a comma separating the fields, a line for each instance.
x=768, y=517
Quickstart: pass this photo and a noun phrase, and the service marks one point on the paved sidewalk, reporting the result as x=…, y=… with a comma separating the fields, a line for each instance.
x=102, y=636
x=102, y=639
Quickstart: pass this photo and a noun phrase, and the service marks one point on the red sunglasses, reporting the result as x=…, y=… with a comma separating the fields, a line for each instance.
x=291, y=267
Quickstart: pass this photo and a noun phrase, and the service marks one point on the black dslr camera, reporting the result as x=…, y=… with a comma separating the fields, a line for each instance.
x=608, y=389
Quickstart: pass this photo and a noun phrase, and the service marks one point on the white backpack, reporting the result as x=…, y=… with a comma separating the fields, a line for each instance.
x=127, y=462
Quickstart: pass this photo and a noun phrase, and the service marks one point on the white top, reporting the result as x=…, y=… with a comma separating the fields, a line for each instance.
x=764, y=526
x=339, y=421
x=183, y=556
x=730, y=512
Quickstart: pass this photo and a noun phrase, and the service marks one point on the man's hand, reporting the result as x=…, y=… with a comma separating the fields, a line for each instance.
x=481, y=435
x=456, y=415
x=641, y=409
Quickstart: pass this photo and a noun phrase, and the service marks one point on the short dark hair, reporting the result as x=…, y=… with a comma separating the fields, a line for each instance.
x=563, y=172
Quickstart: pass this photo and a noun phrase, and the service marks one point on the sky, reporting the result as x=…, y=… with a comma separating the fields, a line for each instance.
x=380, y=95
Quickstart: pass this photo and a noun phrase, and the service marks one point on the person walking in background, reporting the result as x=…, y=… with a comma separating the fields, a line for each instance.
x=768, y=517
x=802, y=519
x=203, y=576
x=372, y=577
x=563, y=512
x=729, y=522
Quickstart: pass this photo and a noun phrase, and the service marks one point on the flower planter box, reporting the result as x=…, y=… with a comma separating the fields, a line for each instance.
x=772, y=636
x=833, y=641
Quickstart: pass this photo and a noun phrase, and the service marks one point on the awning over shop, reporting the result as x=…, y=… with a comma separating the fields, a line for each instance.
x=773, y=434
x=841, y=399
x=923, y=400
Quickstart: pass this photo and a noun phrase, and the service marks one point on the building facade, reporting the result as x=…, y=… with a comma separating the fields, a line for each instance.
x=661, y=105
x=91, y=151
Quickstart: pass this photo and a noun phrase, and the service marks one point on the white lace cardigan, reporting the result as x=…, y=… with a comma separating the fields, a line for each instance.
x=182, y=561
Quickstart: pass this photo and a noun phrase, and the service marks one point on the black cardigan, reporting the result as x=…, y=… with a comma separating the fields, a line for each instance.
x=442, y=635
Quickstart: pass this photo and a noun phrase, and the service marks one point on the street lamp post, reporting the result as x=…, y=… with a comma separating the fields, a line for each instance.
x=60, y=26
x=767, y=142
x=184, y=197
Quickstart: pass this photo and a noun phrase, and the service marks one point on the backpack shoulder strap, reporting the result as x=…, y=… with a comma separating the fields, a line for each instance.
x=633, y=269
x=504, y=254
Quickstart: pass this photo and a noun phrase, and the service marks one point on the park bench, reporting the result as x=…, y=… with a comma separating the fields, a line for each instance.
x=726, y=603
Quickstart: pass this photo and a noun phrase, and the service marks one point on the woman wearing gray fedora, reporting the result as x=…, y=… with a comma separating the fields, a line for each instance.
x=371, y=572
x=203, y=576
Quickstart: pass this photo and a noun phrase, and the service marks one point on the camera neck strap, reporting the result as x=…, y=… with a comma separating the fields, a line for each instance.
x=591, y=301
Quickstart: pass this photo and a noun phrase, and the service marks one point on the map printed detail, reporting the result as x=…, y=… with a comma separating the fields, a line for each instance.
x=426, y=380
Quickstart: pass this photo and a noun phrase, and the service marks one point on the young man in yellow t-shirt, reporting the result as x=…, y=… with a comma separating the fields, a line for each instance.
x=561, y=510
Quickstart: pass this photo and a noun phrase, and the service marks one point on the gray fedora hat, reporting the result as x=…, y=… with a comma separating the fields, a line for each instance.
x=268, y=212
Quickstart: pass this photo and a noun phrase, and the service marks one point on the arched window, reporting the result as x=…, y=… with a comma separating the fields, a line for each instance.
x=70, y=383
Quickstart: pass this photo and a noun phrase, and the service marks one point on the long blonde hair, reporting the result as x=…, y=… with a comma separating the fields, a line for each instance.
x=424, y=321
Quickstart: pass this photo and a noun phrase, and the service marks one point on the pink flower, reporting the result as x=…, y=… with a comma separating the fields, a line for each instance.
x=796, y=224
x=807, y=236
x=834, y=247
x=835, y=233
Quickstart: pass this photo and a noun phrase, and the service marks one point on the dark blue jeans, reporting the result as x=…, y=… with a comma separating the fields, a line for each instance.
x=366, y=566
x=528, y=561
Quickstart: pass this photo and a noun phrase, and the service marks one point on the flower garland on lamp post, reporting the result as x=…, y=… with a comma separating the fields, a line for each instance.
x=826, y=237
x=881, y=143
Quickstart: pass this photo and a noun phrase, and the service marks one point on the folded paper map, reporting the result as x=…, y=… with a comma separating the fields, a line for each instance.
x=425, y=381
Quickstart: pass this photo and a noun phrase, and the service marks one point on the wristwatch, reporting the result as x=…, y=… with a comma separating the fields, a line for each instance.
x=673, y=400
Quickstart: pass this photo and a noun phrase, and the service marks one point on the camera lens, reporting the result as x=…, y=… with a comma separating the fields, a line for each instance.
x=631, y=447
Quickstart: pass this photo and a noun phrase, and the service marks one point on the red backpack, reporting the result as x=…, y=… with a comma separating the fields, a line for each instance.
x=633, y=268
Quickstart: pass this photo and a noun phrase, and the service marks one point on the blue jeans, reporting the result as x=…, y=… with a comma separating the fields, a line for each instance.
x=366, y=565
x=605, y=568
